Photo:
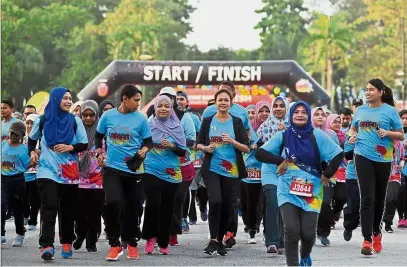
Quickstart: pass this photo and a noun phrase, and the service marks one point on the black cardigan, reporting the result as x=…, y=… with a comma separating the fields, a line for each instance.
x=241, y=137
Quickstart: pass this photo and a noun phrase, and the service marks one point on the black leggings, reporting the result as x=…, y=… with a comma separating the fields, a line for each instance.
x=373, y=178
x=250, y=200
x=402, y=200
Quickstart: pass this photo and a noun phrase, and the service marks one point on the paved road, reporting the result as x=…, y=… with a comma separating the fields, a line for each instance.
x=190, y=252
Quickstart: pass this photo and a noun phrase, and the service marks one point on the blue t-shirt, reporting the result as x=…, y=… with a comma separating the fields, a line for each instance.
x=253, y=166
x=404, y=170
x=14, y=160
x=369, y=144
x=235, y=110
x=327, y=150
x=196, y=120
x=163, y=163
x=223, y=160
x=350, y=169
x=124, y=137
x=59, y=167
x=4, y=128
x=189, y=130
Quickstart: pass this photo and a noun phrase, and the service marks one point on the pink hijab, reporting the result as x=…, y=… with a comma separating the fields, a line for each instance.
x=259, y=105
x=341, y=135
x=324, y=127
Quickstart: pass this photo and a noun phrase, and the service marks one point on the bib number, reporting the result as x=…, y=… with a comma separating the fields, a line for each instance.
x=254, y=174
x=341, y=175
x=395, y=178
x=197, y=163
x=300, y=188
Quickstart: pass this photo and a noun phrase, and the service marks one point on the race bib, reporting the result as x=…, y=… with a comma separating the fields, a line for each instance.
x=197, y=163
x=341, y=175
x=302, y=188
x=253, y=174
x=395, y=178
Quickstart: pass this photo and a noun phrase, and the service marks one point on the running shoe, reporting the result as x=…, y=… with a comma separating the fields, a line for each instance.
x=77, y=244
x=25, y=221
x=252, y=237
x=324, y=240
x=405, y=223
x=66, y=252
x=32, y=227
x=281, y=251
x=132, y=252
x=272, y=249
x=211, y=248
x=377, y=243
x=192, y=223
x=149, y=248
x=173, y=241
x=246, y=229
x=388, y=228
x=164, y=251
x=229, y=240
x=221, y=250
x=306, y=261
x=402, y=223
x=347, y=235
x=114, y=253
x=47, y=253
x=3, y=240
x=92, y=248
x=18, y=241
x=337, y=216
x=204, y=215
x=185, y=225
x=366, y=248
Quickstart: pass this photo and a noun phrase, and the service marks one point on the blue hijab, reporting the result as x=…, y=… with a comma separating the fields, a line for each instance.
x=297, y=140
x=58, y=124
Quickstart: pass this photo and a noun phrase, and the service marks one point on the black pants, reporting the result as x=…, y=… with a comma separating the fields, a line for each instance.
x=12, y=196
x=325, y=219
x=373, y=178
x=222, y=192
x=299, y=225
x=351, y=214
x=340, y=197
x=392, y=195
x=251, y=201
x=181, y=194
x=122, y=193
x=33, y=202
x=233, y=221
x=402, y=200
x=158, y=214
x=190, y=206
x=51, y=194
x=89, y=215
x=202, y=195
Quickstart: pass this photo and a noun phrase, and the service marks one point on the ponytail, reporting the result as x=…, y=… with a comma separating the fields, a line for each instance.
x=387, y=96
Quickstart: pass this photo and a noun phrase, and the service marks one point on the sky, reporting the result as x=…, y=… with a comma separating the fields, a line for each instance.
x=230, y=23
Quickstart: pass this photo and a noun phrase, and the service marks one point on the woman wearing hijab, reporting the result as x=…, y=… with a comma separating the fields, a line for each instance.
x=334, y=123
x=62, y=137
x=251, y=199
x=162, y=174
x=104, y=106
x=18, y=115
x=251, y=111
x=278, y=121
x=76, y=108
x=90, y=192
x=298, y=152
x=319, y=120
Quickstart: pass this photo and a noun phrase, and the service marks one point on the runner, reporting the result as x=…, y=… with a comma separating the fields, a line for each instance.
x=127, y=135
x=28, y=110
x=76, y=109
x=90, y=192
x=162, y=176
x=14, y=162
x=104, y=106
x=402, y=201
x=377, y=124
x=251, y=195
x=346, y=117
x=6, y=118
x=299, y=152
x=223, y=139
x=278, y=121
x=251, y=111
x=62, y=135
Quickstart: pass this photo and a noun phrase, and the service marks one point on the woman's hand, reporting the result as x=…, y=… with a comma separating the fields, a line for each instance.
x=142, y=153
x=382, y=132
x=210, y=148
x=167, y=144
x=101, y=160
x=34, y=158
x=324, y=180
x=282, y=168
x=62, y=148
x=281, y=126
x=227, y=139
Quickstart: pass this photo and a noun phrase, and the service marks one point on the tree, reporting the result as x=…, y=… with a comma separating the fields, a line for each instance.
x=282, y=28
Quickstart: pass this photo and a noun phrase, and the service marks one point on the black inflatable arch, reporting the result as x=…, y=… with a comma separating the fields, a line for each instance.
x=286, y=72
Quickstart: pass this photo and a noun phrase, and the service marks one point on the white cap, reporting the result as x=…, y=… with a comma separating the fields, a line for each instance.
x=168, y=90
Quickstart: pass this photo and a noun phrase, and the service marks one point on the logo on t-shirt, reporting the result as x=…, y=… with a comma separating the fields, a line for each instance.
x=119, y=138
x=8, y=166
x=368, y=125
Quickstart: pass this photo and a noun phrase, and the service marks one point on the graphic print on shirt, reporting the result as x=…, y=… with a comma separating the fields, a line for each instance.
x=120, y=135
x=93, y=180
x=161, y=152
x=14, y=160
x=226, y=164
x=371, y=126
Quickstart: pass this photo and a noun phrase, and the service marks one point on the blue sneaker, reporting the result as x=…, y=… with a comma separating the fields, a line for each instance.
x=3, y=240
x=66, y=252
x=204, y=215
x=306, y=261
x=18, y=241
x=185, y=225
x=324, y=240
x=47, y=253
x=192, y=223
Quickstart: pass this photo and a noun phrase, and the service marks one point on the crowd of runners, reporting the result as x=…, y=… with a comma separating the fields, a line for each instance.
x=291, y=171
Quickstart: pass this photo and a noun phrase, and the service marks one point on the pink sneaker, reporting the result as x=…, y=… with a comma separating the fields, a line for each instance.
x=404, y=223
x=400, y=223
x=164, y=251
x=149, y=249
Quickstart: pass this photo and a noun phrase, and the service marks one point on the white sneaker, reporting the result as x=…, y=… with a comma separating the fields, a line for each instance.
x=3, y=240
x=18, y=241
x=32, y=227
x=252, y=240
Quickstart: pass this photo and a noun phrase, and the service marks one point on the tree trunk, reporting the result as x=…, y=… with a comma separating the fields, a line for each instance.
x=329, y=74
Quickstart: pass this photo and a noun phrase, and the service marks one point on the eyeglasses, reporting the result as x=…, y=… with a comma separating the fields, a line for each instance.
x=90, y=115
